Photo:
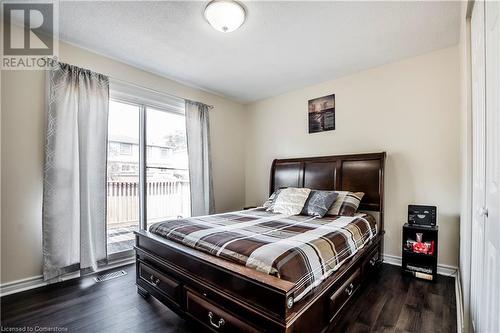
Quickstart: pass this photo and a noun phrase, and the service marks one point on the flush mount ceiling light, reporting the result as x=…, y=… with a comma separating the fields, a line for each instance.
x=225, y=15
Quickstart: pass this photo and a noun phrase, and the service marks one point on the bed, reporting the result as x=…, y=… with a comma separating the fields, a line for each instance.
x=254, y=271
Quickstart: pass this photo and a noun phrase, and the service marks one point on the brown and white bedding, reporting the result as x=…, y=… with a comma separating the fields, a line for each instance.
x=304, y=250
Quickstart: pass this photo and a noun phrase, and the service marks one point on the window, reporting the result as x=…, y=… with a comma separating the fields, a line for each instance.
x=122, y=181
x=125, y=148
x=144, y=124
x=167, y=175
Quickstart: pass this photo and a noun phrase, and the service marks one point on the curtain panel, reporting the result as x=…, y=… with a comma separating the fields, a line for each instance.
x=200, y=164
x=74, y=194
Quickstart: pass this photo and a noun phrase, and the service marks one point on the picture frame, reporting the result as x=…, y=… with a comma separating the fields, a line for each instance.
x=321, y=114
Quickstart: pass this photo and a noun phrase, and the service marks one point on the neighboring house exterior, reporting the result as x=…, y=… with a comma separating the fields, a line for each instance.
x=165, y=162
x=167, y=189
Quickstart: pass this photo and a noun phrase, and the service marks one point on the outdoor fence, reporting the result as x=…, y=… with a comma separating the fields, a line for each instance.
x=165, y=199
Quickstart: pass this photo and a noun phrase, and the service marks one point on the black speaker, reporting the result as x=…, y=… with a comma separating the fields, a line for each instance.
x=422, y=215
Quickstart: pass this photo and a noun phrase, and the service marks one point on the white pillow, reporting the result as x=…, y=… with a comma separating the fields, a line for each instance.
x=291, y=200
x=272, y=199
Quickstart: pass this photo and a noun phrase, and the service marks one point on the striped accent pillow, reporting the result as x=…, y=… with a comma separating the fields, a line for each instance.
x=291, y=200
x=347, y=203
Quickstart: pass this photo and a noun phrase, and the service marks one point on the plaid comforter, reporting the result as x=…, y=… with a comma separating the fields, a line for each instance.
x=301, y=249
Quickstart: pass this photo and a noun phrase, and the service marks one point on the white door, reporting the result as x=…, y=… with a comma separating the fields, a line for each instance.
x=478, y=163
x=490, y=305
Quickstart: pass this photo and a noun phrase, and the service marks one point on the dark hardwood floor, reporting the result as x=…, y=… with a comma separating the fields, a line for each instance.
x=390, y=303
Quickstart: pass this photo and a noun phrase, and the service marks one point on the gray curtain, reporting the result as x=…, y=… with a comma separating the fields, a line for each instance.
x=74, y=193
x=200, y=166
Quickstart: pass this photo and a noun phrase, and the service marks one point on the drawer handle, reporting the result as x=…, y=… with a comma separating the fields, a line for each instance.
x=349, y=289
x=373, y=261
x=219, y=324
x=154, y=280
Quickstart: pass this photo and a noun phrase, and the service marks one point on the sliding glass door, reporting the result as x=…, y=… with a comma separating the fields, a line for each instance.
x=122, y=176
x=167, y=179
x=147, y=174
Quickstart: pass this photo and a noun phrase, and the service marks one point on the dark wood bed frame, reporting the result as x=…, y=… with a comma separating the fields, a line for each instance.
x=227, y=297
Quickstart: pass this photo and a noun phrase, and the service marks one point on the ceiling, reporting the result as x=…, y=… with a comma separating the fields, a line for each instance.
x=281, y=46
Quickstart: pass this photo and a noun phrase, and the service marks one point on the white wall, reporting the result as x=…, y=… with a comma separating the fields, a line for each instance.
x=22, y=139
x=410, y=109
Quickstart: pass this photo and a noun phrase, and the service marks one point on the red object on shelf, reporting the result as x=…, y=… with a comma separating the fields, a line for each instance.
x=420, y=247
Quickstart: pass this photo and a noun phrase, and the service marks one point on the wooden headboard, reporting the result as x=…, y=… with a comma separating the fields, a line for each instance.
x=356, y=173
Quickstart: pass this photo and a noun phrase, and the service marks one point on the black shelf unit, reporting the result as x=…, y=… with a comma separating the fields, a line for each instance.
x=420, y=265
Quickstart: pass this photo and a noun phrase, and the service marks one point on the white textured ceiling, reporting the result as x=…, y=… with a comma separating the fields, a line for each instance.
x=281, y=46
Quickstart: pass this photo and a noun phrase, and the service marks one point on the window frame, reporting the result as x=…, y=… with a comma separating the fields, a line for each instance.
x=144, y=98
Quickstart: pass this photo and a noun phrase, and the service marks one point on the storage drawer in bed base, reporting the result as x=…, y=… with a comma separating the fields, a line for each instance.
x=214, y=317
x=159, y=281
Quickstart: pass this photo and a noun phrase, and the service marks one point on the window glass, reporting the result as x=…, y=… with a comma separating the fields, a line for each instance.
x=167, y=189
x=122, y=176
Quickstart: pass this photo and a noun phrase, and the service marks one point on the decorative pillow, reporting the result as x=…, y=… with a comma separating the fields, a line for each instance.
x=319, y=202
x=346, y=204
x=291, y=200
x=269, y=204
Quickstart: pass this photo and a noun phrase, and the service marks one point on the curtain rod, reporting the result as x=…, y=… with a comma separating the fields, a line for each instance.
x=155, y=91
x=141, y=87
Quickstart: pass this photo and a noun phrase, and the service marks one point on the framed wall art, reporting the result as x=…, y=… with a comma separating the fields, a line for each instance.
x=322, y=114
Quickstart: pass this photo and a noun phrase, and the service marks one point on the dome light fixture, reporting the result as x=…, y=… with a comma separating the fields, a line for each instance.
x=224, y=15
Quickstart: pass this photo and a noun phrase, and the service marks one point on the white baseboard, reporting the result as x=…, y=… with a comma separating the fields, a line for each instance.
x=442, y=269
x=21, y=285
x=33, y=282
